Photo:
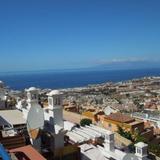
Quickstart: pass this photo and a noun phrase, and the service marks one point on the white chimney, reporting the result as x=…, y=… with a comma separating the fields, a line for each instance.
x=55, y=103
x=32, y=96
x=109, y=141
x=141, y=151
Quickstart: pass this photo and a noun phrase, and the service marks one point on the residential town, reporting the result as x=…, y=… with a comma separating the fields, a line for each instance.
x=80, y=80
x=121, y=117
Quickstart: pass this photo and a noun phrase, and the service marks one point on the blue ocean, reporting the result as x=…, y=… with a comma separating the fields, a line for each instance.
x=68, y=79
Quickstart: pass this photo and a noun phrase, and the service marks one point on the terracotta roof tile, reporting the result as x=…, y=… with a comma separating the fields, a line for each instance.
x=120, y=117
x=27, y=152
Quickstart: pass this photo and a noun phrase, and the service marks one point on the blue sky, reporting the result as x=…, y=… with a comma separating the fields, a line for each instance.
x=57, y=34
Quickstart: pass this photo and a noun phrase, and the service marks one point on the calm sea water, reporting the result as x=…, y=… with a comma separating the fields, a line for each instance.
x=57, y=80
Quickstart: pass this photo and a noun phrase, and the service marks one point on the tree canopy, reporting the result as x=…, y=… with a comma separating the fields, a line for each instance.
x=85, y=121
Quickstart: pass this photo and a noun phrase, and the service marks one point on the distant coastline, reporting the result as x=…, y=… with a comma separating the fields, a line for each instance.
x=56, y=79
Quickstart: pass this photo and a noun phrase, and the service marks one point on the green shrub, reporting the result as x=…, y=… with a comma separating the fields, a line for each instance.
x=124, y=133
x=85, y=121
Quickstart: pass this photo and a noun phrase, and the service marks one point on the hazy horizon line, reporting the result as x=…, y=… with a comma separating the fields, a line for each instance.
x=72, y=70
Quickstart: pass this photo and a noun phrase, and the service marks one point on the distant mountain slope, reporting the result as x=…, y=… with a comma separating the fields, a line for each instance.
x=127, y=65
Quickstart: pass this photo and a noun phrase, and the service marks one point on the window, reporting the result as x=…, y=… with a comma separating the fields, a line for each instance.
x=57, y=101
x=112, y=137
x=34, y=96
x=145, y=151
x=50, y=101
x=138, y=151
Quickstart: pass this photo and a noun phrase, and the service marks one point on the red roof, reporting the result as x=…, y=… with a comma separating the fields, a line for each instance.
x=27, y=152
x=119, y=117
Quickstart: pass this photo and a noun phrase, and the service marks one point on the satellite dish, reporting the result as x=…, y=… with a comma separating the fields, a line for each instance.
x=130, y=156
x=35, y=121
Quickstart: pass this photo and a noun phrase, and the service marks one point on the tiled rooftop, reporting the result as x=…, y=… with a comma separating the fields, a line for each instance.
x=27, y=153
x=119, y=117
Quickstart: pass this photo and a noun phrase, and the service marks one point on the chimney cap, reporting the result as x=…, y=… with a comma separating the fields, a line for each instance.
x=54, y=92
x=31, y=89
x=141, y=145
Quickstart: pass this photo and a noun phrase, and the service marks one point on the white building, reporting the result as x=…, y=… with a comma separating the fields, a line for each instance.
x=55, y=105
x=53, y=113
x=109, y=151
x=141, y=151
x=108, y=110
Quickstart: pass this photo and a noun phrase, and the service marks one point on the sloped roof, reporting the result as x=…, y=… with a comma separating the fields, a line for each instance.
x=119, y=117
x=27, y=152
x=14, y=117
x=3, y=122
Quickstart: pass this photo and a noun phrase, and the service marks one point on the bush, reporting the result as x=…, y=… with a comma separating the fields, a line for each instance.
x=124, y=133
x=85, y=121
x=155, y=149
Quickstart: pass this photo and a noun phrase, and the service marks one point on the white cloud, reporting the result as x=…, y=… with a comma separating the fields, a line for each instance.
x=127, y=60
